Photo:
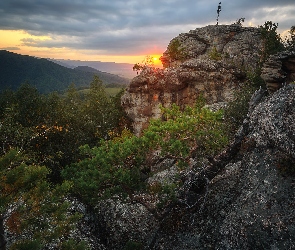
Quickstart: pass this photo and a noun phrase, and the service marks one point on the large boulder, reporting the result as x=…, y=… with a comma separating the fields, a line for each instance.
x=250, y=203
x=214, y=62
x=122, y=222
x=279, y=68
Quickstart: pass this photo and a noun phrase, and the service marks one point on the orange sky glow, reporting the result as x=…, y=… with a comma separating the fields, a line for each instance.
x=11, y=40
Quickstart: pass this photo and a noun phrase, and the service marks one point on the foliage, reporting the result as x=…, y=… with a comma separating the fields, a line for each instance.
x=237, y=109
x=132, y=245
x=240, y=21
x=52, y=128
x=120, y=165
x=167, y=193
x=215, y=55
x=137, y=67
x=183, y=134
x=35, y=211
x=176, y=51
x=289, y=42
x=148, y=61
x=272, y=42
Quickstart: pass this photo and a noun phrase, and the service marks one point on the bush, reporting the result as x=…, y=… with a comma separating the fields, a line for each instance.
x=38, y=213
x=215, y=55
x=120, y=166
x=272, y=42
x=175, y=51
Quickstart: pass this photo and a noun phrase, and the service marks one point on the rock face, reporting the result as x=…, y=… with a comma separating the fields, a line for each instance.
x=245, y=200
x=250, y=204
x=213, y=63
x=125, y=223
x=280, y=68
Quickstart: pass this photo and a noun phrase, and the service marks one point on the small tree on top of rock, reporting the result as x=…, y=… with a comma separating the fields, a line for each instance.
x=176, y=51
x=272, y=42
x=289, y=42
x=148, y=61
x=240, y=21
x=218, y=11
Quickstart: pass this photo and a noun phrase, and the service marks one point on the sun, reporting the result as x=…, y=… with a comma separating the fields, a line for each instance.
x=157, y=62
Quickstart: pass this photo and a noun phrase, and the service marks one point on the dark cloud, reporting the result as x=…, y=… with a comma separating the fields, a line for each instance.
x=130, y=26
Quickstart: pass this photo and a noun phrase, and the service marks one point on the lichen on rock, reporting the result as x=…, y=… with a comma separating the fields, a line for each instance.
x=250, y=203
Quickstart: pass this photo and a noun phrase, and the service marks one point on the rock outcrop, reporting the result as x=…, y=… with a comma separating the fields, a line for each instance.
x=250, y=204
x=125, y=222
x=244, y=200
x=280, y=68
x=213, y=63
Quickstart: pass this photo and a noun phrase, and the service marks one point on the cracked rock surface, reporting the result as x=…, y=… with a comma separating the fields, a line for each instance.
x=251, y=203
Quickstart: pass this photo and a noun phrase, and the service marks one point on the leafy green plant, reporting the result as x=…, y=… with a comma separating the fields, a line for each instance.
x=215, y=55
x=118, y=166
x=272, y=42
x=184, y=134
x=148, y=61
x=176, y=51
x=237, y=110
x=167, y=194
x=289, y=42
x=38, y=211
x=240, y=21
x=51, y=128
x=137, y=67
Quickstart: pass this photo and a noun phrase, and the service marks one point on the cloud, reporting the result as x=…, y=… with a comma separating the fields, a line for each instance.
x=10, y=48
x=130, y=26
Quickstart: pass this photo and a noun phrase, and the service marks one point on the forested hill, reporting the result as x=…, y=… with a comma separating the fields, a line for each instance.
x=46, y=75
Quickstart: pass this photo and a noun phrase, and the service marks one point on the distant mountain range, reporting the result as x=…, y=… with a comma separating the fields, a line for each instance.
x=46, y=75
x=121, y=69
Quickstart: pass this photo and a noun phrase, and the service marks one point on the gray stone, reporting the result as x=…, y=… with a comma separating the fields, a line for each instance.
x=198, y=72
x=250, y=203
x=125, y=221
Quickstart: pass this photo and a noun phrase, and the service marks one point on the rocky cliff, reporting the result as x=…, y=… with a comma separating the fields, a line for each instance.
x=250, y=203
x=244, y=199
x=211, y=61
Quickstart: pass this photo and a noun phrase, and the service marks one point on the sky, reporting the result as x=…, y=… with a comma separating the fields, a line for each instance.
x=122, y=31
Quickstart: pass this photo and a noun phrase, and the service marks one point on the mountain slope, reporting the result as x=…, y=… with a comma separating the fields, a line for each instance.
x=121, y=69
x=46, y=75
x=107, y=78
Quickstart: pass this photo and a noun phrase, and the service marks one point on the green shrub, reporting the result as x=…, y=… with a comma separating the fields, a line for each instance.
x=40, y=210
x=215, y=55
x=175, y=51
x=27, y=245
x=237, y=109
x=117, y=166
x=272, y=42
